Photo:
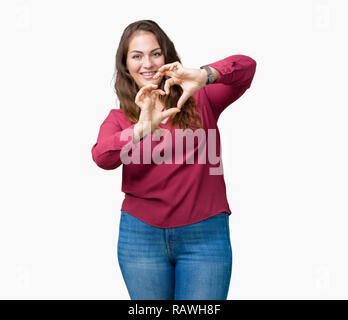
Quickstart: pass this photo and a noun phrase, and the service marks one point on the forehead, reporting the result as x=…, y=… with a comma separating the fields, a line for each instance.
x=144, y=41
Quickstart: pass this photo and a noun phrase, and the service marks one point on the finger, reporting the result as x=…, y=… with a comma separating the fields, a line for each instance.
x=164, y=73
x=183, y=99
x=149, y=87
x=167, y=69
x=168, y=66
x=138, y=96
x=169, y=112
x=175, y=65
x=158, y=91
x=169, y=82
x=144, y=90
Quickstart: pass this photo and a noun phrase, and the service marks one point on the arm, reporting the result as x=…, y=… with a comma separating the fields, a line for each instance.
x=234, y=76
x=106, y=152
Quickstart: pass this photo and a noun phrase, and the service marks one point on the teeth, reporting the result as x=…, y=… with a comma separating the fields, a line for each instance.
x=148, y=74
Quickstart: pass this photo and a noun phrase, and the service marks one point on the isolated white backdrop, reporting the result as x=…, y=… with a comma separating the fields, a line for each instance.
x=284, y=143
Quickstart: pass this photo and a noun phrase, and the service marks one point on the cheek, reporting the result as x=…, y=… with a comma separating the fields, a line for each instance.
x=132, y=67
x=161, y=61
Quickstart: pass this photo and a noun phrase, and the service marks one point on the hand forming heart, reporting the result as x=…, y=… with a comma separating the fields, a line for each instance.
x=190, y=80
x=150, y=117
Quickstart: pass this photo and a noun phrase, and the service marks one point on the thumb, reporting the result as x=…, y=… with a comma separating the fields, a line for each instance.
x=169, y=112
x=183, y=99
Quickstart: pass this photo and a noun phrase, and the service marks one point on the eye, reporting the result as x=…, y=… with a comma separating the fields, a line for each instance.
x=137, y=56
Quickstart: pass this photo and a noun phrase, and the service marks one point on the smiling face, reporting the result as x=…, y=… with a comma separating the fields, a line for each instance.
x=144, y=55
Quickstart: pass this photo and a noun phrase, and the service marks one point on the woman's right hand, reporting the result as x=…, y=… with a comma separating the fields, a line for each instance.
x=150, y=117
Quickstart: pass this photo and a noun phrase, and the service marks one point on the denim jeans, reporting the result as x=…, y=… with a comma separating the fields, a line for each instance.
x=192, y=262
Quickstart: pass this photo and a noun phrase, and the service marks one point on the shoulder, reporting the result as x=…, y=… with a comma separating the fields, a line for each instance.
x=118, y=116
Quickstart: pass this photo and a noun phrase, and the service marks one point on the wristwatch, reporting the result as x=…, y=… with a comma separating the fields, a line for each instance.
x=210, y=74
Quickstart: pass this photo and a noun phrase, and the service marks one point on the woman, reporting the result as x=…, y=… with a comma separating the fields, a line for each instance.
x=174, y=237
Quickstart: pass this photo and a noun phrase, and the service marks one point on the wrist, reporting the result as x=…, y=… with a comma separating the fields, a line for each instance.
x=141, y=130
x=137, y=132
x=209, y=74
x=204, y=77
x=216, y=74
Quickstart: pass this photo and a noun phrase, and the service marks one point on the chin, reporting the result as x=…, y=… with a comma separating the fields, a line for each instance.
x=150, y=81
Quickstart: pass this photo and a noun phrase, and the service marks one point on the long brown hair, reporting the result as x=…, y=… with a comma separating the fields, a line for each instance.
x=126, y=88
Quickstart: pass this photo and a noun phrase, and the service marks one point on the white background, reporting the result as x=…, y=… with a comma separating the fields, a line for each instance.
x=284, y=143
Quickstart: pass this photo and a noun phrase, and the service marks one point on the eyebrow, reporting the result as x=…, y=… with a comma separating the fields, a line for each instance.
x=142, y=52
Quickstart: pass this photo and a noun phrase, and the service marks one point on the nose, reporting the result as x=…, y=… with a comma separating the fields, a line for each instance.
x=147, y=62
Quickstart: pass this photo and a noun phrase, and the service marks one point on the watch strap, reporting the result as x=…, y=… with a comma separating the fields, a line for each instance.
x=210, y=79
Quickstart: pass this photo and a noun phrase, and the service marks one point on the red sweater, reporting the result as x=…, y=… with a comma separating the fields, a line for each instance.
x=176, y=193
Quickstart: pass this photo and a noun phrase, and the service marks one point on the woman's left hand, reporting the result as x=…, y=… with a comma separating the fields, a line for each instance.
x=190, y=80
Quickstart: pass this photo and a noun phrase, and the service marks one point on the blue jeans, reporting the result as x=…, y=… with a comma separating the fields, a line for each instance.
x=192, y=262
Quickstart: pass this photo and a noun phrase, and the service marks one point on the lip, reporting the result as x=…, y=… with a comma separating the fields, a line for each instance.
x=148, y=77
